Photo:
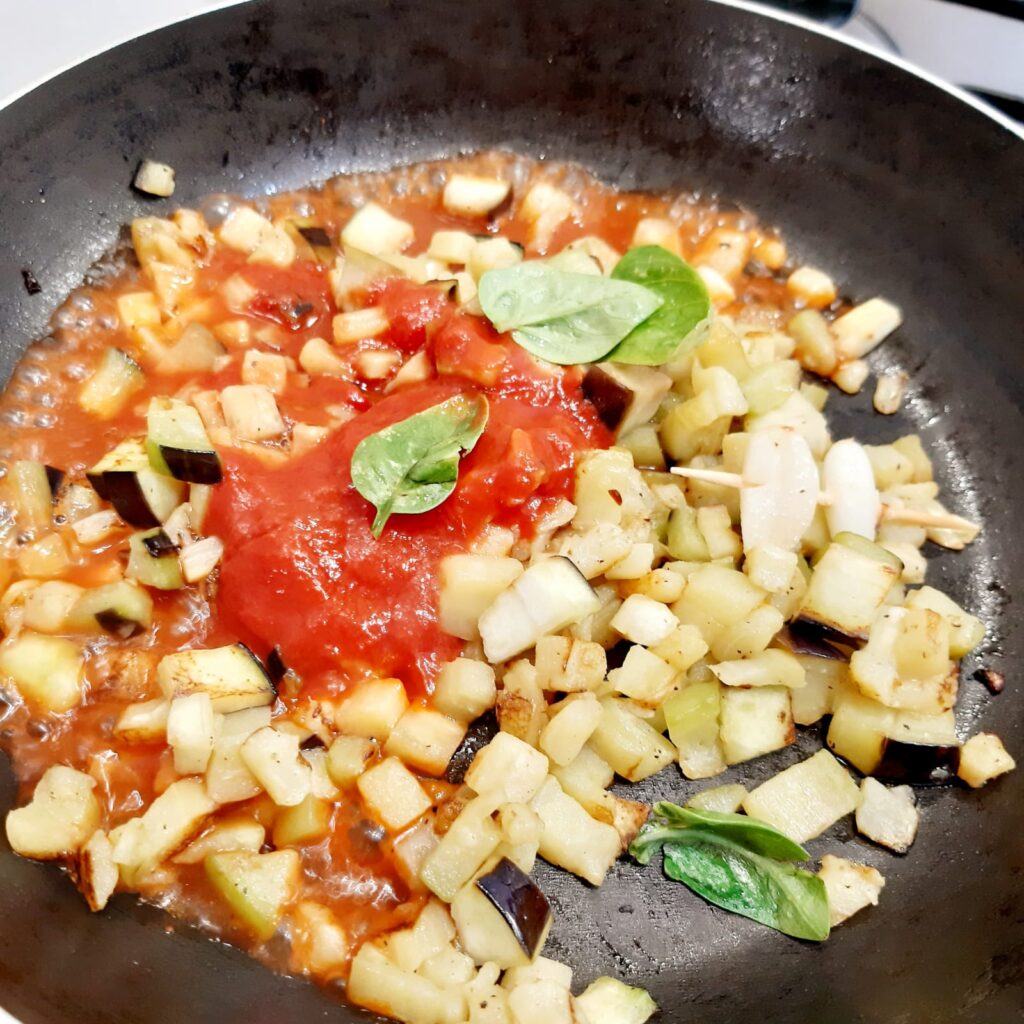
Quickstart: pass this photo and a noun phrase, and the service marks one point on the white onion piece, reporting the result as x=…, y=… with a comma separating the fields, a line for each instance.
x=849, y=480
x=780, y=492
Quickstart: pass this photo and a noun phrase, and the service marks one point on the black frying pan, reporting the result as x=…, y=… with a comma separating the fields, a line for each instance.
x=892, y=183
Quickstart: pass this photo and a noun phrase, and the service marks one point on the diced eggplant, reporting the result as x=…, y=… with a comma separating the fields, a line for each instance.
x=887, y=816
x=233, y=677
x=479, y=733
x=469, y=195
x=549, y=596
x=850, y=887
x=141, y=495
x=32, y=493
x=625, y=397
x=311, y=237
x=160, y=571
x=121, y=608
x=256, y=886
x=509, y=924
x=916, y=764
x=982, y=759
x=107, y=391
x=178, y=444
x=807, y=639
x=195, y=351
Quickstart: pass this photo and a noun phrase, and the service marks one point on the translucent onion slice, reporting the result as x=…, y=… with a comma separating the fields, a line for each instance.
x=780, y=493
x=854, y=505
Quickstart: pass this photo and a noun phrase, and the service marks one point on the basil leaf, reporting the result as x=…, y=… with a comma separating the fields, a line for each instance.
x=560, y=316
x=413, y=465
x=737, y=863
x=685, y=303
x=781, y=896
x=754, y=835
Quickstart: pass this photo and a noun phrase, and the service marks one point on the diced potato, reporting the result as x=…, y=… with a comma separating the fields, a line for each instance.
x=46, y=608
x=755, y=722
x=859, y=729
x=806, y=799
x=465, y=689
x=864, y=327
x=449, y=968
x=462, y=850
x=572, y=838
x=965, y=630
x=644, y=621
x=320, y=943
x=393, y=794
x=45, y=670
x=566, y=665
x=306, y=822
x=726, y=250
x=545, y=208
x=257, y=886
x=508, y=769
x=264, y=242
x=850, y=887
x=609, y=489
x=632, y=747
x=823, y=677
x=251, y=412
x=378, y=984
x=644, y=676
x=372, y=708
x=541, y=969
x=469, y=195
x=984, y=758
x=770, y=568
x=656, y=231
x=572, y=723
x=191, y=732
x=683, y=648
x=375, y=231
x=812, y=286
x=432, y=932
x=167, y=825
x=347, y=758
x=425, y=739
x=469, y=585
x=228, y=779
x=62, y=815
x=715, y=598
x=541, y=1000
x=521, y=705
x=95, y=872
x=887, y=816
x=749, y=637
x=359, y=324
x=273, y=758
x=596, y=550
x=267, y=368
x=585, y=775
x=451, y=246
x=44, y=558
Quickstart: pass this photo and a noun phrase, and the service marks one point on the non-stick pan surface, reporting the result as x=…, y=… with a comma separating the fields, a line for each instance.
x=890, y=182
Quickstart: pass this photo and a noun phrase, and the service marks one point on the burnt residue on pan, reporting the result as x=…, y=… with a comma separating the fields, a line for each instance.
x=897, y=187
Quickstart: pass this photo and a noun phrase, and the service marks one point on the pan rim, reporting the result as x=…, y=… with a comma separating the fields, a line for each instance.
x=749, y=6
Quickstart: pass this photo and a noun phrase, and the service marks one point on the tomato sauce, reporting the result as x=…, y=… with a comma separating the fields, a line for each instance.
x=301, y=570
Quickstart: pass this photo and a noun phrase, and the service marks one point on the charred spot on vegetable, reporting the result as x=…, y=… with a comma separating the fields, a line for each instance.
x=114, y=622
x=159, y=545
x=994, y=682
x=522, y=905
x=480, y=732
x=31, y=282
x=918, y=765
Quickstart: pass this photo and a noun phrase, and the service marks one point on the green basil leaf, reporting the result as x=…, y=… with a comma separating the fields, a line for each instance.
x=413, y=465
x=784, y=897
x=748, y=832
x=560, y=316
x=685, y=303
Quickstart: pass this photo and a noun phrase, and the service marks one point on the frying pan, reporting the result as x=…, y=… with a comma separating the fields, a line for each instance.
x=896, y=185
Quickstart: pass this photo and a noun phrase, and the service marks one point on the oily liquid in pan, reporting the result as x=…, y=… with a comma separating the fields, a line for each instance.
x=352, y=870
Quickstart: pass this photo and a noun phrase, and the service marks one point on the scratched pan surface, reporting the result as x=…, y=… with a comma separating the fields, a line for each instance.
x=894, y=185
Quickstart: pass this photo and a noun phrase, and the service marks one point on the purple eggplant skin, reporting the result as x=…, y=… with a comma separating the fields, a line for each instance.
x=55, y=478
x=114, y=622
x=808, y=629
x=194, y=466
x=121, y=489
x=609, y=398
x=801, y=638
x=915, y=764
x=159, y=545
x=520, y=902
x=480, y=732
